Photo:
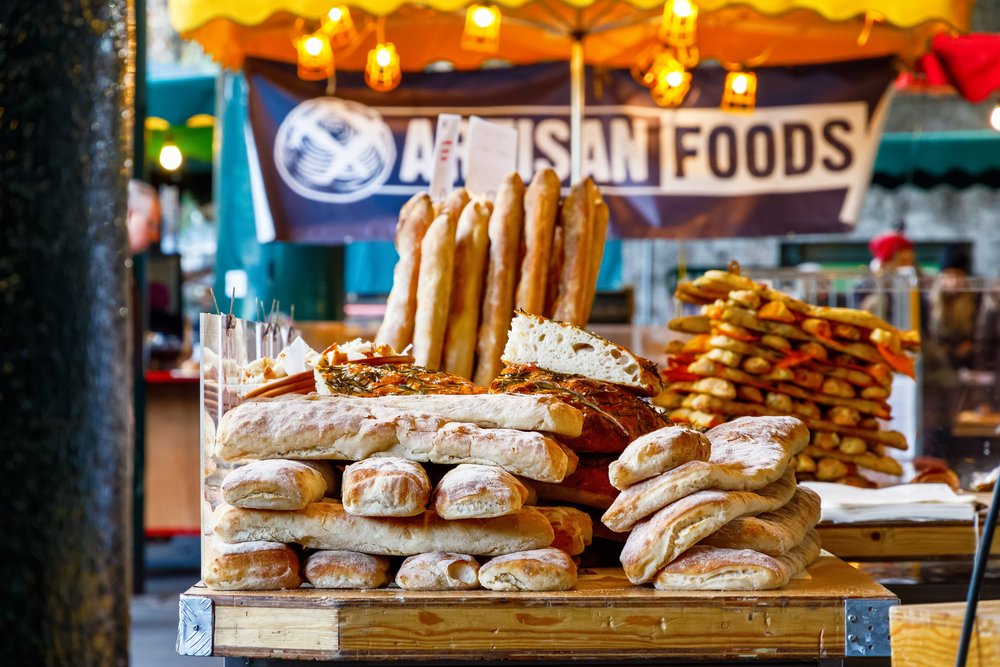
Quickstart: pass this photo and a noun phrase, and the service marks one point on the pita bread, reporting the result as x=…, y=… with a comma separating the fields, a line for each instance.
x=773, y=533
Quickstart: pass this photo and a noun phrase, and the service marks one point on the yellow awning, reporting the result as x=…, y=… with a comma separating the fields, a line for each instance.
x=752, y=32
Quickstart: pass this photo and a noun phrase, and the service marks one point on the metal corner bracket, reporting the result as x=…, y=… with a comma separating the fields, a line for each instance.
x=194, y=628
x=866, y=628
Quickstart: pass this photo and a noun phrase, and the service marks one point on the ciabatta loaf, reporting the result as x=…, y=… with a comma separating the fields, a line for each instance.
x=773, y=533
x=565, y=348
x=251, y=566
x=438, y=571
x=470, y=491
x=535, y=570
x=327, y=525
x=704, y=568
x=279, y=484
x=574, y=529
x=386, y=486
x=346, y=569
x=658, y=452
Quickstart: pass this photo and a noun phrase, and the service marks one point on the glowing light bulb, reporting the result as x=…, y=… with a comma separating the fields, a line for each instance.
x=482, y=16
x=482, y=28
x=313, y=46
x=995, y=117
x=383, y=57
x=383, y=71
x=740, y=84
x=336, y=14
x=171, y=157
x=675, y=78
x=682, y=8
x=338, y=26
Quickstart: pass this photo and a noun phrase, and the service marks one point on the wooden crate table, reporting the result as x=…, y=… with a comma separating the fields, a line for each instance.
x=903, y=540
x=924, y=635
x=831, y=612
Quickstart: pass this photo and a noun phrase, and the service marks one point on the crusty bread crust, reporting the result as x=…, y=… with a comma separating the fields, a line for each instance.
x=346, y=569
x=434, y=284
x=438, y=571
x=279, y=484
x=574, y=529
x=658, y=452
x=541, y=208
x=536, y=570
x=250, y=566
x=471, y=251
x=577, y=224
x=470, y=491
x=386, y=486
x=773, y=533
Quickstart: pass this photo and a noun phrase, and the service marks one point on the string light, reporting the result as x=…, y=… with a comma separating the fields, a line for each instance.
x=338, y=26
x=670, y=80
x=680, y=20
x=995, y=117
x=482, y=28
x=740, y=92
x=171, y=157
x=315, y=57
x=383, y=72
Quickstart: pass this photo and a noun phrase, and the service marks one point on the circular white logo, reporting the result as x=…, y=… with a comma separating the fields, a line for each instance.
x=334, y=150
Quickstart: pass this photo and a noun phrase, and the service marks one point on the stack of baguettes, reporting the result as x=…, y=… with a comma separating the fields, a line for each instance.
x=715, y=511
x=758, y=351
x=466, y=264
x=285, y=498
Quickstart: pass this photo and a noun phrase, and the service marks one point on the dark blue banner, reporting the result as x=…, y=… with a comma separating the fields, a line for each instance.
x=339, y=168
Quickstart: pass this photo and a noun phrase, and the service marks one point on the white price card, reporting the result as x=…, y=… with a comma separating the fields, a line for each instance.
x=492, y=151
x=445, y=155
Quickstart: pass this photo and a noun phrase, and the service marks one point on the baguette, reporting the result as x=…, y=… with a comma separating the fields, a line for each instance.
x=599, y=231
x=327, y=525
x=498, y=297
x=279, y=484
x=346, y=569
x=437, y=265
x=438, y=571
x=577, y=223
x=541, y=208
x=396, y=329
x=454, y=203
x=471, y=248
x=555, y=268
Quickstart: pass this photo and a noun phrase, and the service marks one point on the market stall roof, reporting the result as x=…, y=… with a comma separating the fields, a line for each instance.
x=177, y=92
x=775, y=32
x=926, y=159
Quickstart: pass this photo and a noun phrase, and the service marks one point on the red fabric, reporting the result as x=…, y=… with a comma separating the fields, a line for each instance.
x=972, y=63
x=884, y=246
x=934, y=72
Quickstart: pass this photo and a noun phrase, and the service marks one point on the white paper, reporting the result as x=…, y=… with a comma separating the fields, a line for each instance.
x=492, y=150
x=905, y=502
x=445, y=155
x=293, y=358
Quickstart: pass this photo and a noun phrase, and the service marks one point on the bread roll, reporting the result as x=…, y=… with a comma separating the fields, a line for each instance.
x=470, y=491
x=536, y=570
x=599, y=231
x=415, y=217
x=388, y=486
x=541, y=208
x=346, y=569
x=327, y=525
x=438, y=571
x=437, y=265
x=574, y=530
x=251, y=566
x=658, y=452
x=577, y=223
x=279, y=484
x=498, y=297
x=471, y=248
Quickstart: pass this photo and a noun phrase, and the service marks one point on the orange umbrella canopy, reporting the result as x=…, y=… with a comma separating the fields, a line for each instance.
x=615, y=32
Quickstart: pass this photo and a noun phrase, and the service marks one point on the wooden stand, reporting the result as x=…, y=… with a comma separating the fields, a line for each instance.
x=903, y=541
x=832, y=612
x=927, y=634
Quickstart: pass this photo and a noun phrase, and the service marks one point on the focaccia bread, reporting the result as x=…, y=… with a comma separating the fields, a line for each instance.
x=352, y=429
x=386, y=486
x=470, y=491
x=773, y=533
x=251, y=566
x=682, y=524
x=327, y=525
x=563, y=348
x=535, y=570
x=658, y=452
x=346, y=569
x=574, y=530
x=279, y=484
x=438, y=571
x=704, y=568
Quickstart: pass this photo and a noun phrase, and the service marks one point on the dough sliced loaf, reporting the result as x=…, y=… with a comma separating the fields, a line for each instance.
x=656, y=453
x=564, y=348
x=772, y=533
x=705, y=568
x=682, y=524
x=470, y=491
x=346, y=569
x=327, y=525
x=279, y=484
x=438, y=571
x=535, y=570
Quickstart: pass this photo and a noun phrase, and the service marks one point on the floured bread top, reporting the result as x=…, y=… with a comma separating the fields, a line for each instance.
x=564, y=348
x=351, y=561
x=247, y=547
x=536, y=558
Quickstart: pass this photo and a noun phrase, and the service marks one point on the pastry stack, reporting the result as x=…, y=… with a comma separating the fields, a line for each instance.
x=756, y=351
x=715, y=511
x=466, y=264
x=286, y=497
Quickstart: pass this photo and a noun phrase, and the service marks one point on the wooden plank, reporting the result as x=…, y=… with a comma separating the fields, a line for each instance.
x=173, y=460
x=605, y=617
x=926, y=635
x=902, y=541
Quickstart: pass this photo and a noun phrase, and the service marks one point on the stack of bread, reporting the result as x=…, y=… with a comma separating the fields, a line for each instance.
x=757, y=351
x=610, y=385
x=285, y=497
x=715, y=511
x=466, y=264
